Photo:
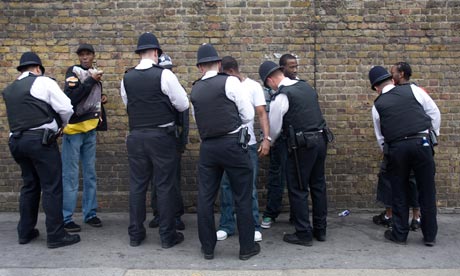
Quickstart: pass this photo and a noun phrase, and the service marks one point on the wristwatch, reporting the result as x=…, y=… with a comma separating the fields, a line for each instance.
x=268, y=138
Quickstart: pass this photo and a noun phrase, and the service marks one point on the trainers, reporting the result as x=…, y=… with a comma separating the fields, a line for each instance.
x=415, y=224
x=94, y=222
x=257, y=236
x=72, y=227
x=221, y=235
x=267, y=222
x=382, y=220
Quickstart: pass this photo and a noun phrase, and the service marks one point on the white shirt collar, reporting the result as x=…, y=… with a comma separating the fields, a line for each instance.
x=387, y=88
x=287, y=82
x=25, y=74
x=209, y=74
x=145, y=63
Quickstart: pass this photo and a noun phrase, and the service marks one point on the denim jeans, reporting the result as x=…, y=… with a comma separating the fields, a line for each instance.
x=276, y=178
x=75, y=148
x=227, y=213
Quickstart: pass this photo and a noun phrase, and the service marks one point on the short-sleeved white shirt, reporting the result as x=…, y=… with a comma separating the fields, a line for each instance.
x=256, y=96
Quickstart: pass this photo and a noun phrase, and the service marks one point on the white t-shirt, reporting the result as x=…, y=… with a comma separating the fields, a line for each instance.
x=256, y=96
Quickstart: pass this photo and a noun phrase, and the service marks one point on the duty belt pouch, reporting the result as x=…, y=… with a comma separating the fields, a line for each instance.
x=328, y=135
x=172, y=130
x=433, y=138
x=243, y=137
x=301, y=140
x=49, y=137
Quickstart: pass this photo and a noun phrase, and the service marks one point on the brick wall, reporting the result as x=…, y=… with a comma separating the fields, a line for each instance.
x=336, y=41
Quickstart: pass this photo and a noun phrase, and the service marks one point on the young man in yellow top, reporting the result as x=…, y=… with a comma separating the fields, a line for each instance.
x=83, y=87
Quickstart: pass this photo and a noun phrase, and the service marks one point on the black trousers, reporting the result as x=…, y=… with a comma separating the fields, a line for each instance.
x=384, y=188
x=216, y=156
x=311, y=163
x=404, y=156
x=152, y=152
x=180, y=202
x=41, y=172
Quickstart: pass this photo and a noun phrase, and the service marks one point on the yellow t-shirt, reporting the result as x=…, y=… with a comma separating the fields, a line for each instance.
x=81, y=127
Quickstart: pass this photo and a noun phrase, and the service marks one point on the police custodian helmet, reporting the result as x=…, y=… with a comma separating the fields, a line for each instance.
x=378, y=74
x=30, y=58
x=266, y=69
x=207, y=53
x=148, y=41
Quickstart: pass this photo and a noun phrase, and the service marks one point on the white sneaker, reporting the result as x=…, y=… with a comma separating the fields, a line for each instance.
x=221, y=235
x=257, y=236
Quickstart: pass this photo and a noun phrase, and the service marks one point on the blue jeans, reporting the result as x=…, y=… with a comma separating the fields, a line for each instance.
x=227, y=217
x=276, y=178
x=75, y=148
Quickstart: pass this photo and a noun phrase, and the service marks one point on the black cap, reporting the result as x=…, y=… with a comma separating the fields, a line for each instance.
x=148, y=41
x=266, y=69
x=378, y=74
x=207, y=53
x=85, y=47
x=30, y=58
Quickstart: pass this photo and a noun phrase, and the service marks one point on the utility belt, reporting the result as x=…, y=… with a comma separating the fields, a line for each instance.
x=172, y=130
x=242, y=137
x=428, y=139
x=308, y=139
x=49, y=136
x=430, y=136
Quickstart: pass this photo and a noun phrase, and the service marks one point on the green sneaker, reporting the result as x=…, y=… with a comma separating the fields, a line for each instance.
x=267, y=222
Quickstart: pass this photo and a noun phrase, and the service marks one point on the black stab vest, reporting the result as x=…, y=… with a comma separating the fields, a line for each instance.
x=215, y=114
x=23, y=110
x=148, y=106
x=304, y=112
x=401, y=115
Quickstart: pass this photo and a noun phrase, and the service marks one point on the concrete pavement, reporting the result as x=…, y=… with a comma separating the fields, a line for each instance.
x=354, y=246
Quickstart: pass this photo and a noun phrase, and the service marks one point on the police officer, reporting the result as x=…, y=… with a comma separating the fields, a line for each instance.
x=220, y=108
x=36, y=108
x=153, y=96
x=296, y=110
x=402, y=118
x=182, y=123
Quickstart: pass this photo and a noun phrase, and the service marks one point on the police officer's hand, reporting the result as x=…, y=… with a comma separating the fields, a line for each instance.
x=264, y=148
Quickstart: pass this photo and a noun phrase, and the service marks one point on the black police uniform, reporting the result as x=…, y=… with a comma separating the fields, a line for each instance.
x=216, y=116
x=403, y=121
x=40, y=164
x=150, y=148
x=306, y=119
